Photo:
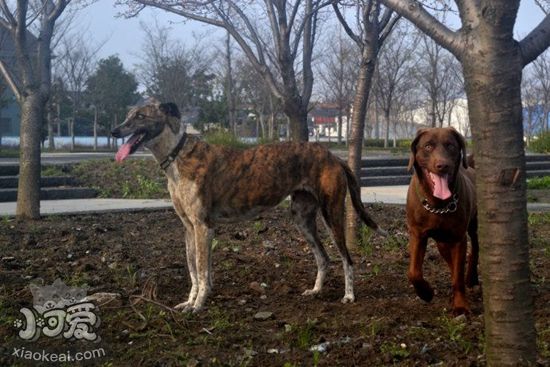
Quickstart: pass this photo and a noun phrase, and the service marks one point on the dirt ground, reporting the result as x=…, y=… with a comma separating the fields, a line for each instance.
x=260, y=266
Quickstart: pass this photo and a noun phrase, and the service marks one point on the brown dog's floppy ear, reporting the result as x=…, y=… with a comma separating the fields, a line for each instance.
x=412, y=158
x=462, y=144
x=170, y=109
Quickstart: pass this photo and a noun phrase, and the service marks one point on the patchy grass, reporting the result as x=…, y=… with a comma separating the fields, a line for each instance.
x=132, y=179
x=136, y=254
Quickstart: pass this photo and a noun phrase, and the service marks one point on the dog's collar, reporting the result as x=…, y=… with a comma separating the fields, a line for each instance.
x=174, y=153
x=451, y=206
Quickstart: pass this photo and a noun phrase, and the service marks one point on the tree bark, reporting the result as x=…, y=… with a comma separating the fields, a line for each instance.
x=364, y=82
x=51, y=140
x=95, y=129
x=28, y=190
x=297, y=117
x=493, y=88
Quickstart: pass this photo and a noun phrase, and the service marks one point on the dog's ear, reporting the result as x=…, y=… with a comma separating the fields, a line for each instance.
x=412, y=158
x=462, y=144
x=170, y=109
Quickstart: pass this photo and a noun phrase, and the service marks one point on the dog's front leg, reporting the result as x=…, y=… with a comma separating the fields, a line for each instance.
x=191, y=265
x=203, y=240
x=417, y=248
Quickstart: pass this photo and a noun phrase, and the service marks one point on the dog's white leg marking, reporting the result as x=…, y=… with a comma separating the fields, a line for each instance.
x=349, y=296
x=321, y=258
x=191, y=265
x=203, y=241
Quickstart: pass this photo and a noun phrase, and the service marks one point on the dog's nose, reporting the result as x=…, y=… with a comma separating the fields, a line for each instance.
x=441, y=166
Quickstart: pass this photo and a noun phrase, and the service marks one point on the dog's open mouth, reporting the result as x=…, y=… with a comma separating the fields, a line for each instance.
x=130, y=146
x=440, y=185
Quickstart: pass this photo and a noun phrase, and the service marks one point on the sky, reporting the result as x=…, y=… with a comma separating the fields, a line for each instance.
x=124, y=37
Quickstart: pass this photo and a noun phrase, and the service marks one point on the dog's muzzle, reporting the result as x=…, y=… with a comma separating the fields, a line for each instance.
x=115, y=133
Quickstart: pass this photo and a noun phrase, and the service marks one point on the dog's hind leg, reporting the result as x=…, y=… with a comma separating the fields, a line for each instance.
x=304, y=209
x=191, y=265
x=333, y=213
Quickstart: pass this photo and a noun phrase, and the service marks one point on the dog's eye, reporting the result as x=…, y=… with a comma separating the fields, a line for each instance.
x=140, y=116
x=428, y=147
x=450, y=147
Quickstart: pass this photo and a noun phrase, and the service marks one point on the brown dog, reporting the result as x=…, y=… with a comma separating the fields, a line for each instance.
x=211, y=184
x=441, y=204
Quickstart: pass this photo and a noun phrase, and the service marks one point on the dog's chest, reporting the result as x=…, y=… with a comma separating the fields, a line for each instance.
x=185, y=197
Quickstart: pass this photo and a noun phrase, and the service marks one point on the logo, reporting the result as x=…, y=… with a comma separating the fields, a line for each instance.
x=59, y=311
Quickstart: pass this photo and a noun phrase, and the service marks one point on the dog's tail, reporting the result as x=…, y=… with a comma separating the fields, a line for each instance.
x=355, y=194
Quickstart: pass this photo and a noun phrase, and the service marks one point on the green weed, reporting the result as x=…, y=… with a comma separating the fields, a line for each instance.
x=537, y=183
x=454, y=328
x=52, y=171
x=396, y=351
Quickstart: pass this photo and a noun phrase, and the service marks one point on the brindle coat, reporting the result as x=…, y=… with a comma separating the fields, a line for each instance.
x=442, y=151
x=210, y=184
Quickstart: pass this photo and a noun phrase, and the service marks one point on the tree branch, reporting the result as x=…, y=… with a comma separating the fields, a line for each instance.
x=416, y=14
x=469, y=12
x=9, y=22
x=536, y=41
x=346, y=26
x=9, y=79
x=386, y=31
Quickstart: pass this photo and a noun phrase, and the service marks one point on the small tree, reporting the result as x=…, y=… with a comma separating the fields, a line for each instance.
x=31, y=85
x=373, y=26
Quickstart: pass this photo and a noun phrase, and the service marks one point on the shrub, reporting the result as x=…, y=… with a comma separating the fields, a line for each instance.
x=223, y=137
x=541, y=144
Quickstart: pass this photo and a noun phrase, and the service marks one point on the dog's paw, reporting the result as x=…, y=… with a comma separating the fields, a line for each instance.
x=472, y=280
x=310, y=292
x=184, y=307
x=348, y=299
x=424, y=291
x=461, y=310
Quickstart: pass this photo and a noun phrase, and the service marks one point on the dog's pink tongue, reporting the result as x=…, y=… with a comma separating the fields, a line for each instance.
x=123, y=152
x=441, y=186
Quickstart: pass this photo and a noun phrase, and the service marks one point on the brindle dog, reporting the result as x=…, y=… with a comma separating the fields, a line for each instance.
x=210, y=184
x=441, y=204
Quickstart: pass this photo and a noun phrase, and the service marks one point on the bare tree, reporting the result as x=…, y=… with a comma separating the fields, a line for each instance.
x=273, y=50
x=76, y=58
x=338, y=74
x=31, y=85
x=372, y=27
x=540, y=68
x=534, y=114
x=492, y=61
x=252, y=93
x=167, y=65
x=436, y=74
x=395, y=66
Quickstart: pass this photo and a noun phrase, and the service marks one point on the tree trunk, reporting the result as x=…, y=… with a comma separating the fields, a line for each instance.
x=297, y=117
x=51, y=140
x=28, y=190
x=387, y=135
x=362, y=90
x=493, y=87
x=340, y=122
x=71, y=128
x=95, y=129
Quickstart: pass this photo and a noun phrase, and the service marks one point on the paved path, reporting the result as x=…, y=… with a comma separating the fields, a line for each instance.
x=382, y=194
